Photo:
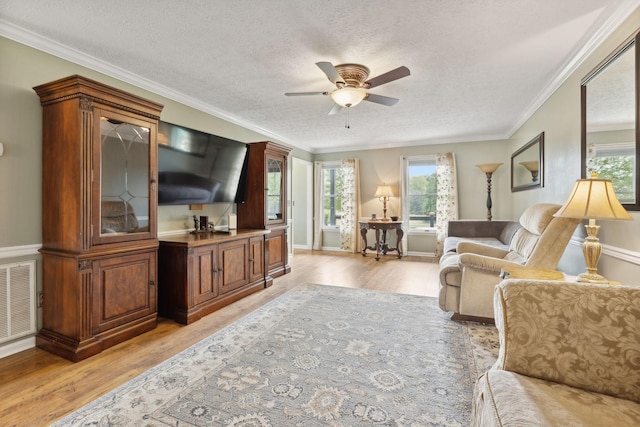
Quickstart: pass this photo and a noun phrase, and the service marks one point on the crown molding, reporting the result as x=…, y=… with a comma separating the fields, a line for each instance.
x=36, y=41
x=571, y=65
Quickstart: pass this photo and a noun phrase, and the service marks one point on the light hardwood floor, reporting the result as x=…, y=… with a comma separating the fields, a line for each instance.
x=37, y=388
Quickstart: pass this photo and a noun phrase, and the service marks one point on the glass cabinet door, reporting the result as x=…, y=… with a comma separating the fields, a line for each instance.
x=274, y=190
x=124, y=209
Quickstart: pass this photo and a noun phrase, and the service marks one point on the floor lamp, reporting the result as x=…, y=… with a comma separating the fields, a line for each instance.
x=489, y=169
x=593, y=199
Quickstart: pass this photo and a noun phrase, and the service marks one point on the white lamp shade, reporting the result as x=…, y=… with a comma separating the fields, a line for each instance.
x=593, y=199
x=489, y=167
x=532, y=166
x=383, y=191
x=348, y=96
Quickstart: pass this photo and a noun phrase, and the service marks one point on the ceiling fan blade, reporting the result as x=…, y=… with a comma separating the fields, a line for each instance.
x=379, y=99
x=305, y=93
x=335, y=110
x=387, y=77
x=331, y=72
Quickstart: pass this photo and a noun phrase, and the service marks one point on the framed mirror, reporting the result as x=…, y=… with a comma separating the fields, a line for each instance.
x=527, y=165
x=609, y=122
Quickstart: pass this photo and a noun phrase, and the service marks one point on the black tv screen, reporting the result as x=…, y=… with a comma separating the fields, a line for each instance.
x=196, y=167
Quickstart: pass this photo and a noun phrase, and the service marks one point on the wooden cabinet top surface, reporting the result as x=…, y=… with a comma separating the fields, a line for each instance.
x=74, y=86
x=203, y=239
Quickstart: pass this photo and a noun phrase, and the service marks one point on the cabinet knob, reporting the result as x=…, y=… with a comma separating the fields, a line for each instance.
x=251, y=260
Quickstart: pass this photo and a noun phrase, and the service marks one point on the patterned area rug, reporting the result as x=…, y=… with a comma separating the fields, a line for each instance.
x=316, y=356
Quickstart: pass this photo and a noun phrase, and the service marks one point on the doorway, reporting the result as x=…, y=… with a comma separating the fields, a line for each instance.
x=302, y=203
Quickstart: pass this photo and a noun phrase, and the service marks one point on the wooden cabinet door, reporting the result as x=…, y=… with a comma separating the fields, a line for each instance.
x=275, y=199
x=205, y=272
x=124, y=289
x=277, y=250
x=256, y=258
x=124, y=170
x=233, y=264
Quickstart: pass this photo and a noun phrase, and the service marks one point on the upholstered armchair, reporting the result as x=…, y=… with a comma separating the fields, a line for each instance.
x=468, y=277
x=569, y=356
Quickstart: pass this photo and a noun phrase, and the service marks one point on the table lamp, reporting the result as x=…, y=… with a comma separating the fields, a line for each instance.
x=593, y=199
x=384, y=193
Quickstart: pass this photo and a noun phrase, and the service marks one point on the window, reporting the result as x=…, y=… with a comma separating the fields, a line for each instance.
x=421, y=191
x=615, y=161
x=332, y=184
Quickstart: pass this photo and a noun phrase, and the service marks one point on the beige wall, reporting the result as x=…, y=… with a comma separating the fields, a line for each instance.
x=559, y=118
x=383, y=166
x=21, y=132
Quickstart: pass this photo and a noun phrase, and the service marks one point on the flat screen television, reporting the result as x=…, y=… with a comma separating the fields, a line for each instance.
x=195, y=167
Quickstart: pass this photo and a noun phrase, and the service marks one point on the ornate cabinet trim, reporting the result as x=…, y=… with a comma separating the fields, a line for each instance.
x=78, y=320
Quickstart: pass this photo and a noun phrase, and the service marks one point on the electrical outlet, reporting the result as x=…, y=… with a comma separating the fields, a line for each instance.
x=40, y=299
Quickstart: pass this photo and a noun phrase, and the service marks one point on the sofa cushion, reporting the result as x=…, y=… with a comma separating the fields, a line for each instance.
x=508, y=232
x=503, y=398
x=451, y=243
x=536, y=218
x=583, y=335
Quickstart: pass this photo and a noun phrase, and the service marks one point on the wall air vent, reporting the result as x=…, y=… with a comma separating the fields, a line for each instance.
x=17, y=300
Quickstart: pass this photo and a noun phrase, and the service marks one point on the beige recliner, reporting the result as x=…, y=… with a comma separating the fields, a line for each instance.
x=469, y=275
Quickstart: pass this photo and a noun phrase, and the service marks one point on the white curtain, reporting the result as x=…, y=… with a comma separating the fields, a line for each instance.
x=350, y=205
x=404, y=194
x=317, y=205
x=447, y=199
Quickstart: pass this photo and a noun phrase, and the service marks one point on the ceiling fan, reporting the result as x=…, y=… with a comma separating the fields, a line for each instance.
x=352, y=85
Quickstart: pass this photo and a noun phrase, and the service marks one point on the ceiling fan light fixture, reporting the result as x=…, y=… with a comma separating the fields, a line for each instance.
x=348, y=96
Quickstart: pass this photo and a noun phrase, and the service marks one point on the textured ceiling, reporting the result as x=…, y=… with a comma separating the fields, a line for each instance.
x=479, y=68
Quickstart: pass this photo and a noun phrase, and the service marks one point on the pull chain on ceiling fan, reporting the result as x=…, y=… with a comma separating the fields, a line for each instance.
x=352, y=85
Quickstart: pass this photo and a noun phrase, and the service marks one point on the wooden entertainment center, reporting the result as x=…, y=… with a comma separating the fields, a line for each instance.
x=103, y=277
x=200, y=273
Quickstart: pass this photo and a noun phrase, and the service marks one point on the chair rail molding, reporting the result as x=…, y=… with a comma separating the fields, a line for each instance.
x=613, y=251
x=18, y=251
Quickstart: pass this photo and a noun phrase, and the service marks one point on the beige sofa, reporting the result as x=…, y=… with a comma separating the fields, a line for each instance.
x=491, y=233
x=569, y=356
x=468, y=277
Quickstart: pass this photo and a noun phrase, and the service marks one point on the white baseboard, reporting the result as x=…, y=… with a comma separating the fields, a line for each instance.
x=334, y=249
x=302, y=247
x=172, y=233
x=17, y=346
x=422, y=254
